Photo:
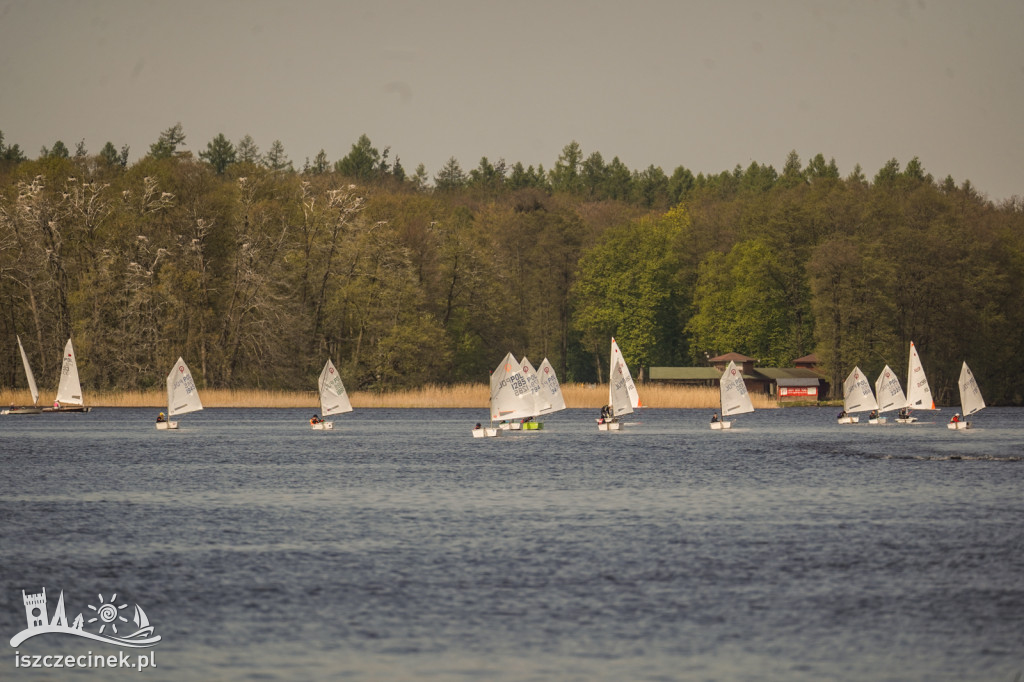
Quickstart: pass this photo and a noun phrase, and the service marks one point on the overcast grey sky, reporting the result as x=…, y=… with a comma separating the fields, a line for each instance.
x=705, y=84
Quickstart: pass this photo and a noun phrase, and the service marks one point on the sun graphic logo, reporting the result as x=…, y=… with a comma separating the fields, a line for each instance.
x=108, y=614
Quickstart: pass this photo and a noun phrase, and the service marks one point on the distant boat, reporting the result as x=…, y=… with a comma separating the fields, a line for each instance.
x=888, y=394
x=182, y=395
x=511, y=396
x=510, y=399
x=857, y=396
x=734, y=396
x=550, y=387
x=970, y=399
x=333, y=397
x=622, y=393
x=539, y=397
x=69, y=390
x=919, y=395
x=27, y=409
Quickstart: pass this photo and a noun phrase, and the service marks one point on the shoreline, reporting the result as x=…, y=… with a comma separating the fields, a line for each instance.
x=592, y=396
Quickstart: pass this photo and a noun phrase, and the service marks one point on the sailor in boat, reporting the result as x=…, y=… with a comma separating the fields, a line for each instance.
x=714, y=418
x=841, y=414
x=477, y=427
x=160, y=418
x=955, y=419
x=315, y=419
x=904, y=413
x=873, y=414
x=56, y=404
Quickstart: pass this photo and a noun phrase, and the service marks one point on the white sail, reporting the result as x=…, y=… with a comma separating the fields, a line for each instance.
x=919, y=395
x=540, y=401
x=69, y=390
x=182, y=394
x=333, y=397
x=618, y=388
x=735, y=398
x=28, y=374
x=888, y=392
x=970, y=395
x=511, y=397
x=616, y=356
x=549, y=386
x=857, y=395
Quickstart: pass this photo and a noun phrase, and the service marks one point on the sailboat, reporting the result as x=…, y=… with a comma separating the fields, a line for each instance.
x=550, y=388
x=919, y=395
x=622, y=393
x=33, y=408
x=511, y=395
x=857, y=396
x=540, y=402
x=490, y=431
x=69, y=390
x=888, y=393
x=970, y=399
x=182, y=394
x=735, y=399
x=333, y=397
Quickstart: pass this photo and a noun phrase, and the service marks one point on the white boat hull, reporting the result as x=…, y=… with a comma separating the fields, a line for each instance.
x=719, y=425
x=958, y=426
x=163, y=426
x=878, y=420
x=486, y=433
x=609, y=426
x=322, y=426
x=511, y=426
x=906, y=420
x=24, y=410
x=849, y=420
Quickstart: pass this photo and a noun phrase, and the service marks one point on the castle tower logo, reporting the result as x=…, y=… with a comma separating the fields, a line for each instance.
x=108, y=619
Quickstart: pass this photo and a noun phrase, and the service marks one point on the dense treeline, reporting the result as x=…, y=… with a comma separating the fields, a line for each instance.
x=257, y=272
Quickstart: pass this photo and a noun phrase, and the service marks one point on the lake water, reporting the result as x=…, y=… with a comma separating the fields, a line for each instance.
x=399, y=547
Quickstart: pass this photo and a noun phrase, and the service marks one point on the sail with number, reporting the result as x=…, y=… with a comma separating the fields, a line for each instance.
x=333, y=396
x=627, y=378
x=970, y=394
x=28, y=374
x=919, y=395
x=857, y=395
x=69, y=390
x=550, y=388
x=182, y=394
x=540, y=401
x=888, y=392
x=735, y=398
x=511, y=397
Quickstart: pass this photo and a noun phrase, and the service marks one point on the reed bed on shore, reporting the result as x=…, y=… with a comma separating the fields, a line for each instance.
x=459, y=395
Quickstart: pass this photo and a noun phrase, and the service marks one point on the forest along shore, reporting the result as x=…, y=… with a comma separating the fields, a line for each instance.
x=460, y=395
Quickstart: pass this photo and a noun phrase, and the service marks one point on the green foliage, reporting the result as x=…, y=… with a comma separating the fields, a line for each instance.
x=168, y=142
x=257, y=276
x=626, y=287
x=220, y=154
x=361, y=162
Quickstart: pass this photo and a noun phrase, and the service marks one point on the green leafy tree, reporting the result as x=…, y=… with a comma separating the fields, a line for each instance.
x=565, y=176
x=168, y=142
x=451, y=177
x=220, y=154
x=627, y=287
x=247, y=151
x=362, y=161
x=276, y=160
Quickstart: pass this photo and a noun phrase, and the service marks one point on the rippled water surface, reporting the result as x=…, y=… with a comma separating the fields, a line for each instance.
x=399, y=547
